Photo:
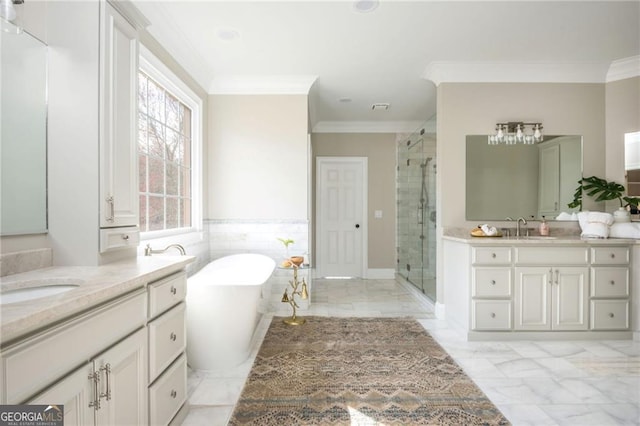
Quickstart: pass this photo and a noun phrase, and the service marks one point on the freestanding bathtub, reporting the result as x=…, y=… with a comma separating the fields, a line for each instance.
x=222, y=309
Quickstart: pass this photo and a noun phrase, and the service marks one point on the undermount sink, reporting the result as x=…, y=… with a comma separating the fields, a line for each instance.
x=24, y=294
x=539, y=237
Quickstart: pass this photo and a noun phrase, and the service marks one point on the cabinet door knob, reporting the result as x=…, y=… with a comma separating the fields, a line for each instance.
x=613, y=255
x=493, y=315
x=493, y=255
x=173, y=290
x=493, y=282
x=611, y=315
x=613, y=282
x=173, y=337
x=174, y=394
x=125, y=237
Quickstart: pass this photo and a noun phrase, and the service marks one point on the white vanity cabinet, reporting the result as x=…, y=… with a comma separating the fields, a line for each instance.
x=167, y=336
x=491, y=288
x=609, y=289
x=551, y=298
x=528, y=288
x=109, y=390
x=119, y=201
x=95, y=364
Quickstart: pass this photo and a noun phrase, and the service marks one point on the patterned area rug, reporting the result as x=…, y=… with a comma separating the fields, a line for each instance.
x=358, y=371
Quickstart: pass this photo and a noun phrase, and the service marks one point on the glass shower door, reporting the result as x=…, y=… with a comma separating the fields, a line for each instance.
x=416, y=211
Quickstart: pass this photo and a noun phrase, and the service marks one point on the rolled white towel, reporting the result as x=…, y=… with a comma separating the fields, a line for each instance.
x=595, y=224
x=565, y=216
x=489, y=230
x=625, y=230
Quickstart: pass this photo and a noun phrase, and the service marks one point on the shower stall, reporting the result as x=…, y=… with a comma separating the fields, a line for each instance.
x=416, y=198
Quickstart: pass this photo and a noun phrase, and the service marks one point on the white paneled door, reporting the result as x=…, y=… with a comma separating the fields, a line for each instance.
x=341, y=199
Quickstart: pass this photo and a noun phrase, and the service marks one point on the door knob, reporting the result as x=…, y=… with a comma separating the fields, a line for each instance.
x=357, y=225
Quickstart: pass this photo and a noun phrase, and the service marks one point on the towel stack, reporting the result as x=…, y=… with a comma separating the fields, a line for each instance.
x=489, y=231
x=595, y=224
x=625, y=230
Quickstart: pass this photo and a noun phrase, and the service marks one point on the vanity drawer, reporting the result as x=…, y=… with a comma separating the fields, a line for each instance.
x=552, y=255
x=491, y=255
x=610, y=255
x=609, y=314
x=491, y=282
x=167, y=339
x=166, y=293
x=491, y=315
x=167, y=395
x=610, y=282
x=119, y=238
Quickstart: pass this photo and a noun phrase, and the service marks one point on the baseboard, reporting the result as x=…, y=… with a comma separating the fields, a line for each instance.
x=439, y=311
x=381, y=274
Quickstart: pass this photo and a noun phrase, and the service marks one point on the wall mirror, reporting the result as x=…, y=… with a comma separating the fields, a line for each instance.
x=520, y=180
x=23, y=135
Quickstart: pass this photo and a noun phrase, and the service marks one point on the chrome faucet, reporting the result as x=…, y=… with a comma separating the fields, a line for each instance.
x=524, y=222
x=148, y=251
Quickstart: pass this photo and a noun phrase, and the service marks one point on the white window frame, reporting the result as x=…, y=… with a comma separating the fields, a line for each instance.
x=159, y=72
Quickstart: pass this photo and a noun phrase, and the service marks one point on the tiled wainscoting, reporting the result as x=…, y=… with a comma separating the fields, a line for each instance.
x=259, y=236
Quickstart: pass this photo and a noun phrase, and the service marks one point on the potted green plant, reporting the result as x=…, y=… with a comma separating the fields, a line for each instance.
x=602, y=190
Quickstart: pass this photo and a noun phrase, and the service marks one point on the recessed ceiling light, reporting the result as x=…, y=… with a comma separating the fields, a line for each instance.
x=228, y=34
x=365, y=6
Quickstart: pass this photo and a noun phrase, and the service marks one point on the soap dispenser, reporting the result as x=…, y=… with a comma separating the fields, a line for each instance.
x=544, y=227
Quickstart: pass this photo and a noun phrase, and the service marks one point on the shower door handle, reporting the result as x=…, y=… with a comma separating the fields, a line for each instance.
x=420, y=215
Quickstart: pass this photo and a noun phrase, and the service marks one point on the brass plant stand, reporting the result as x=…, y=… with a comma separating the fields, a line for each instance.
x=290, y=299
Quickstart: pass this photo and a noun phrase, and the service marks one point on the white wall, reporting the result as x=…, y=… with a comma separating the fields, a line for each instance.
x=623, y=116
x=257, y=157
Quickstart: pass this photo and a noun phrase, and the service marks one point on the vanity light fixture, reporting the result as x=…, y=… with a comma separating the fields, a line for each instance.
x=10, y=16
x=515, y=132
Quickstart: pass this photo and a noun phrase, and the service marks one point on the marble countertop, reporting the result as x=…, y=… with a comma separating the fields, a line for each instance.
x=464, y=235
x=95, y=285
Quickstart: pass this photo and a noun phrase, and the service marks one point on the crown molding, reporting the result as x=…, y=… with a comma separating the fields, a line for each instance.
x=366, y=126
x=624, y=68
x=262, y=85
x=130, y=13
x=510, y=72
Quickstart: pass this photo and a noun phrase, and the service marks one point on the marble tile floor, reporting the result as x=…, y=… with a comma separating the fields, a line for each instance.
x=531, y=382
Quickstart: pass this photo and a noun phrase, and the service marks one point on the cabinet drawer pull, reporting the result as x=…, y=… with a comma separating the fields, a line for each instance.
x=107, y=375
x=493, y=315
x=174, y=394
x=613, y=255
x=112, y=212
x=95, y=378
x=493, y=282
x=173, y=290
x=125, y=237
x=611, y=315
x=173, y=336
x=493, y=255
x=613, y=282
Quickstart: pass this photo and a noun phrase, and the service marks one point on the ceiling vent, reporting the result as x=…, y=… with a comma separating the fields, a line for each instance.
x=380, y=107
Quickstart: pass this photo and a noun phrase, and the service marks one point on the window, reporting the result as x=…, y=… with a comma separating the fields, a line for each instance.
x=168, y=137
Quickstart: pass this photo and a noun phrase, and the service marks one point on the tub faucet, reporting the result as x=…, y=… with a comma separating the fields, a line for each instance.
x=148, y=251
x=524, y=222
